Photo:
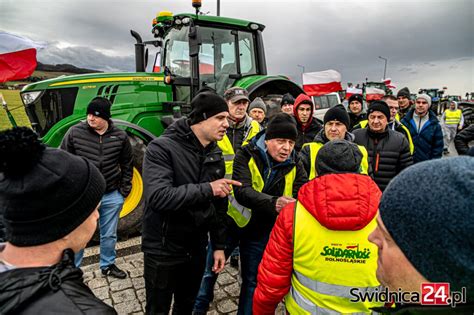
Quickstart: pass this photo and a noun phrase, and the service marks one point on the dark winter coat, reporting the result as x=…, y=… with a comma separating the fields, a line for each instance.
x=111, y=153
x=306, y=133
x=389, y=153
x=428, y=141
x=356, y=119
x=462, y=139
x=58, y=289
x=263, y=203
x=180, y=207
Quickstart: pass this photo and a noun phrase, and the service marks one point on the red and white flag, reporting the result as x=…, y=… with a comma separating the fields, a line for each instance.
x=322, y=82
x=17, y=57
x=373, y=93
x=389, y=84
x=351, y=91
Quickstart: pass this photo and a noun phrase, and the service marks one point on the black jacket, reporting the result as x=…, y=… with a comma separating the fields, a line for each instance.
x=389, y=153
x=462, y=139
x=180, y=207
x=58, y=289
x=111, y=153
x=263, y=203
x=307, y=134
x=355, y=119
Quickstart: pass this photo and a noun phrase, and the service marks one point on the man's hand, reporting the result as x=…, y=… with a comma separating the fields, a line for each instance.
x=282, y=202
x=222, y=187
x=219, y=261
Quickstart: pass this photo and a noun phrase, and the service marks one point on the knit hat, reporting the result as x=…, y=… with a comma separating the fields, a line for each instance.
x=379, y=106
x=205, y=105
x=235, y=94
x=281, y=125
x=338, y=156
x=434, y=230
x=100, y=107
x=356, y=97
x=404, y=92
x=426, y=97
x=45, y=193
x=338, y=113
x=287, y=99
x=258, y=103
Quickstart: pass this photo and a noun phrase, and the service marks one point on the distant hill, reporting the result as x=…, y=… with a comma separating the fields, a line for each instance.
x=64, y=68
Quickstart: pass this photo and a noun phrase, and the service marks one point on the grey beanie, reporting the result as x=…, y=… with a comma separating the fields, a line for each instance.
x=338, y=156
x=435, y=229
x=258, y=103
x=426, y=97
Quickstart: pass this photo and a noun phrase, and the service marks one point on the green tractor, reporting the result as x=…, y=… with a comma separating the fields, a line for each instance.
x=194, y=51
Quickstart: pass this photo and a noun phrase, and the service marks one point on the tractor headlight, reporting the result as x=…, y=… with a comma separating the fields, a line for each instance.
x=30, y=97
x=254, y=27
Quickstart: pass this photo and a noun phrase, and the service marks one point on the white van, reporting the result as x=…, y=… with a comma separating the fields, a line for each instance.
x=324, y=102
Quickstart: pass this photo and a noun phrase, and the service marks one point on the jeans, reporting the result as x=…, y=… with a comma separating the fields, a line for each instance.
x=251, y=253
x=109, y=212
x=165, y=280
x=206, y=292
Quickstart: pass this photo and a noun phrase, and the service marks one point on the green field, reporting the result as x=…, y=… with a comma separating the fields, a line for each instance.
x=12, y=97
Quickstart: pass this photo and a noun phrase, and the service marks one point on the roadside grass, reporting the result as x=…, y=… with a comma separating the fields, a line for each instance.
x=15, y=105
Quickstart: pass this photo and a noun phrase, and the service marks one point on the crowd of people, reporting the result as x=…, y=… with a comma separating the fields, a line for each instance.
x=315, y=209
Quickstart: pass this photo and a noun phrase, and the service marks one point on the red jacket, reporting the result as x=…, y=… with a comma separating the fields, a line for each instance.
x=341, y=202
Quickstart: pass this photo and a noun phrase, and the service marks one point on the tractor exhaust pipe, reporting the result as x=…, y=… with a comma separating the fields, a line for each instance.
x=139, y=52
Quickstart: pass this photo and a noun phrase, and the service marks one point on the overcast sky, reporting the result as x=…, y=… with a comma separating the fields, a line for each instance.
x=427, y=43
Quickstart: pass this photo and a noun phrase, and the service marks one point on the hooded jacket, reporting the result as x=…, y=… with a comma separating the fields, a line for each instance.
x=180, y=207
x=58, y=289
x=326, y=198
x=308, y=131
x=263, y=203
x=428, y=141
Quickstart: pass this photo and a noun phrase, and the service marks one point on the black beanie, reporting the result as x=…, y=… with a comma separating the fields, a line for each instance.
x=435, y=230
x=100, y=107
x=287, y=99
x=283, y=126
x=379, y=106
x=338, y=156
x=338, y=113
x=45, y=193
x=205, y=105
x=356, y=97
x=404, y=92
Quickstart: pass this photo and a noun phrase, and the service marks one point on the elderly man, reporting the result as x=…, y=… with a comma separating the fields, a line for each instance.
x=185, y=200
x=49, y=201
x=425, y=237
x=258, y=110
x=336, y=124
x=425, y=130
x=271, y=174
x=389, y=151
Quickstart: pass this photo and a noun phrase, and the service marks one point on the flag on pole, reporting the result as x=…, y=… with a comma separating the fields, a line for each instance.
x=373, y=93
x=322, y=82
x=17, y=57
x=389, y=84
x=351, y=91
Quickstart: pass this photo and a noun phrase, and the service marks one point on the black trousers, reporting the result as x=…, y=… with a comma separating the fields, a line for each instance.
x=165, y=280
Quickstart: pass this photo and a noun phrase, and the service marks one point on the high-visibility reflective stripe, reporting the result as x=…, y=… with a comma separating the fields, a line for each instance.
x=228, y=157
x=453, y=117
x=246, y=213
x=332, y=289
x=253, y=130
x=312, y=308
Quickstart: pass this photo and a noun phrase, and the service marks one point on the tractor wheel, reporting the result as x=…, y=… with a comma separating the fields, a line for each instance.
x=132, y=211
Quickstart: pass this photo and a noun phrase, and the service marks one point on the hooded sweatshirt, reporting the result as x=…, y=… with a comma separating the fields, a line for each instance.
x=307, y=131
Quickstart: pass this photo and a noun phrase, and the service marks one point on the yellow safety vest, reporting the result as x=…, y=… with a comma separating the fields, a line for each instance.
x=453, y=117
x=313, y=152
x=242, y=215
x=327, y=265
x=364, y=123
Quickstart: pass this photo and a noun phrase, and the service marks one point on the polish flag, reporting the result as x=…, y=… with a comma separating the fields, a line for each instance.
x=351, y=91
x=17, y=57
x=322, y=82
x=389, y=84
x=373, y=94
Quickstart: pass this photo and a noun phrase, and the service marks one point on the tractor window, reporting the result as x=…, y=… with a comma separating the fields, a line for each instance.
x=176, y=49
x=247, y=53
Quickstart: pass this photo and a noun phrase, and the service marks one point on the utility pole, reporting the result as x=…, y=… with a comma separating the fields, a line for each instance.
x=302, y=71
x=385, y=67
x=218, y=7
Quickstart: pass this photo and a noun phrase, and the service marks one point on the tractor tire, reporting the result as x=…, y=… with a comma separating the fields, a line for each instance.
x=130, y=221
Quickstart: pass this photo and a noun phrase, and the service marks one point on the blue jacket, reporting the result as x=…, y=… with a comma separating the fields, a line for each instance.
x=429, y=142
